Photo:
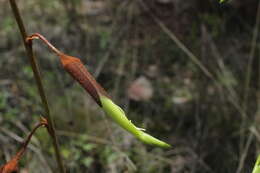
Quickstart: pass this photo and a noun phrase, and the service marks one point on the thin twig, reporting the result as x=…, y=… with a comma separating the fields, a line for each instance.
x=32, y=147
x=251, y=56
x=166, y=30
x=37, y=76
x=28, y=139
x=244, y=153
x=247, y=83
x=191, y=55
x=39, y=36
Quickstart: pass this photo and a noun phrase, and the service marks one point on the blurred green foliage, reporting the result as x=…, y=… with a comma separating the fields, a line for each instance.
x=208, y=124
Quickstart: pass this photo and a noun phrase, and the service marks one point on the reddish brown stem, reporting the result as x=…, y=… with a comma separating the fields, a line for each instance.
x=39, y=36
x=12, y=165
x=28, y=139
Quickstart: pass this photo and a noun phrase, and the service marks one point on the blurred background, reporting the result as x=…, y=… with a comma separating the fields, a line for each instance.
x=186, y=71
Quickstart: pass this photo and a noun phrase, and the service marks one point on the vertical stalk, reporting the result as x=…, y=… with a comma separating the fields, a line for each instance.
x=37, y=76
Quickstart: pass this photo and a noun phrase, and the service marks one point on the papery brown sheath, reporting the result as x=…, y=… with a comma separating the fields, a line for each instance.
x=12, y=165
x=77, y=70
x=80, y=73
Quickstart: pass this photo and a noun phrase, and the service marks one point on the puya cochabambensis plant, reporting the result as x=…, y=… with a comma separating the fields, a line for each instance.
x=79, y=72
x=12, y=165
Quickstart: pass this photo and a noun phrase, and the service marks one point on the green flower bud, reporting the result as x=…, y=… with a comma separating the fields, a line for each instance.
x=118, y=115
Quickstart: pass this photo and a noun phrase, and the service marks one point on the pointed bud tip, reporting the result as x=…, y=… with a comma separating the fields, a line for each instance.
x=150, y=140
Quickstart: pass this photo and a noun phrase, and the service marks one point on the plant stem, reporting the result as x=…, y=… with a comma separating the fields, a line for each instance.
x=39, y=36
x=37, y=76
x=20, y=153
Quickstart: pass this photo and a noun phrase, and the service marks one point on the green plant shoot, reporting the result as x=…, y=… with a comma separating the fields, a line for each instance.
x=80, y=73
x=257, y=166
x=118, y=115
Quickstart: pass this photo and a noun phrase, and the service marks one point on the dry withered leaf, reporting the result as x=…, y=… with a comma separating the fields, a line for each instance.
x=12, y=165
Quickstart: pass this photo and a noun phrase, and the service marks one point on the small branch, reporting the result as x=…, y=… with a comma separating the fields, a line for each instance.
x=251, y=57
x=39, y=36
x=43, y=122
x=173, y=37
x=244, y=154
x=12, y=165
x=37, y=76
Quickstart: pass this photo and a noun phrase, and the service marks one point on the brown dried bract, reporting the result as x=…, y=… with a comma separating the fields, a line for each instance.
x=80, y=73
x=12, y=165
x=76, y=69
